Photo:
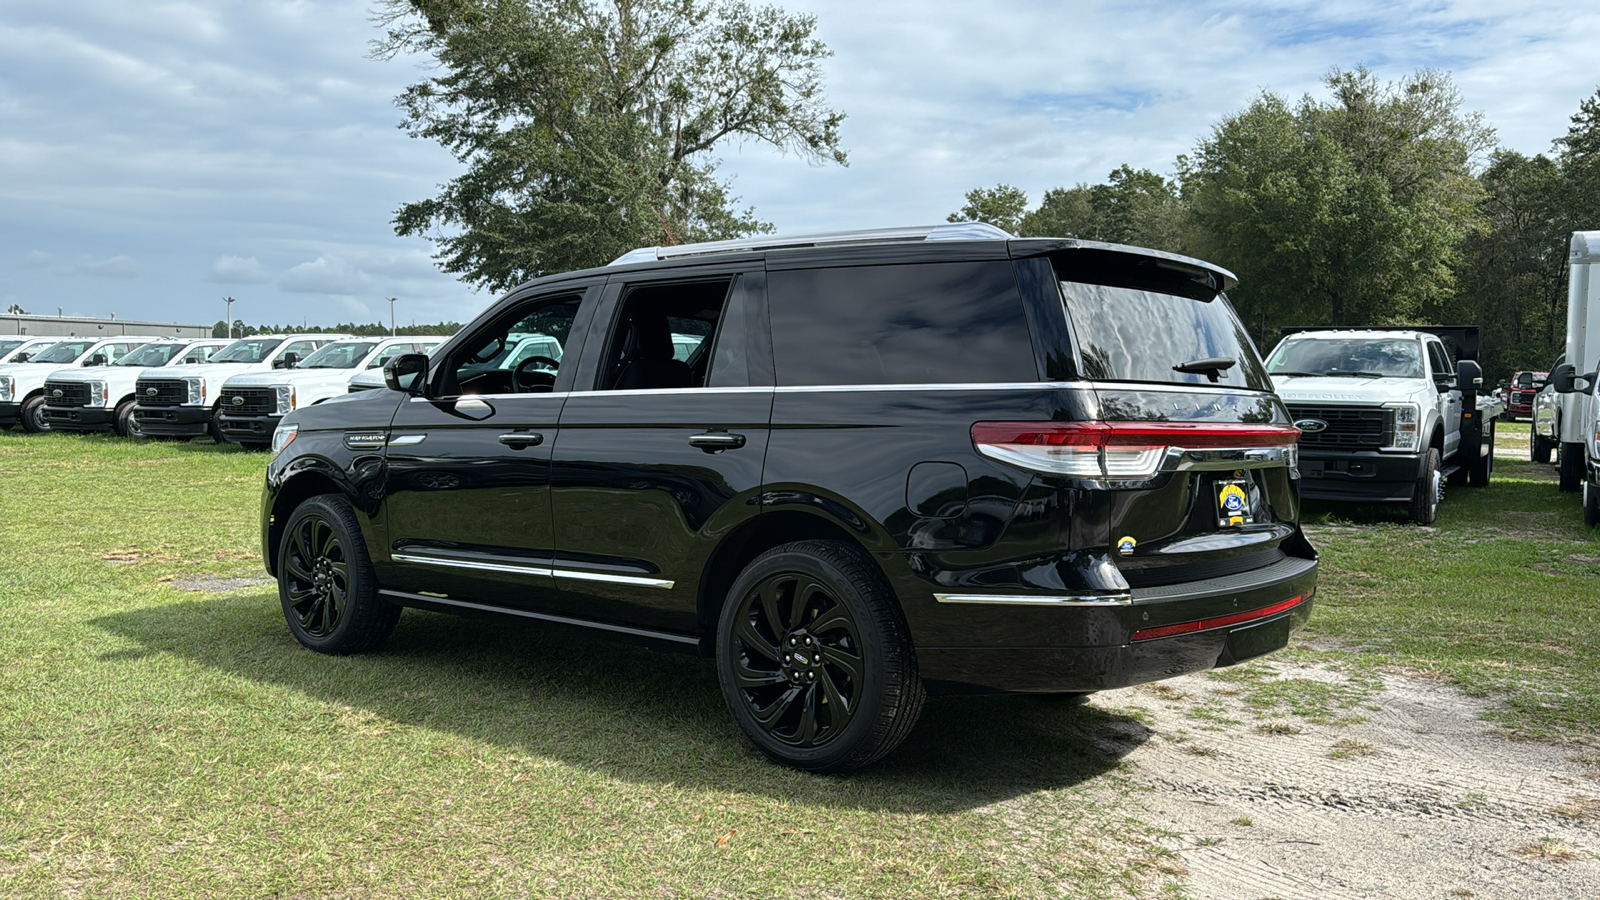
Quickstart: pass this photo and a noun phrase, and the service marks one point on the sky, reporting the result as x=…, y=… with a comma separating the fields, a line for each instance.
x=156, y=157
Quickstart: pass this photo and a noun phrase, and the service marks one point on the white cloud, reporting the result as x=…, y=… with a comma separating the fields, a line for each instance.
x=36, y=259
x=325, y=276
x=238, y=270
x=115, y=267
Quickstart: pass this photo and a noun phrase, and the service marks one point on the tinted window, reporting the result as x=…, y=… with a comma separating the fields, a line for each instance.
x=1439, y=360
x=485, y=364
x=931, y=323
x=1138, y=334
x=661, y=335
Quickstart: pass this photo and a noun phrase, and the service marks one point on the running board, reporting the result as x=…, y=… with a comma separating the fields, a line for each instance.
x=659, y=639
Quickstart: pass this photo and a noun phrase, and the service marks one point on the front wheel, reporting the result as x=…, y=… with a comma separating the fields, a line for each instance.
x=1482, y=467
x=1591, y=504
x=326, y=584
x=32, y=415
x=815, y=659
x=1569, y=467
x=123, y=423
x=1428, y=491
x=1538, y=448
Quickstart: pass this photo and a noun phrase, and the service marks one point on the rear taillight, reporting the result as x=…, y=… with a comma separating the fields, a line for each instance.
x=1126, y=451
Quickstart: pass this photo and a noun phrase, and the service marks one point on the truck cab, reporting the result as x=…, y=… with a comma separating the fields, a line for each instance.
x=1385, y=416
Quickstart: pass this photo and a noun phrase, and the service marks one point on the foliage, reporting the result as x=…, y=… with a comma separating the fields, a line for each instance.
x=1001, y=206
x=1580, y=163
x=587, y=127
x=1345, y=211
x=358, y=329
x=1134, y=206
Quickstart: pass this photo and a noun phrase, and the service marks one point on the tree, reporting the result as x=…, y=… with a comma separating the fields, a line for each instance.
x=1345, y=211
x=587, y=127
x=1134, y=206
x=1001, y=206
x=16, y=310
x=1580, y=164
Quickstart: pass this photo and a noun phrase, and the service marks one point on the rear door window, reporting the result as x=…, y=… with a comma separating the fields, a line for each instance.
x=927, y=323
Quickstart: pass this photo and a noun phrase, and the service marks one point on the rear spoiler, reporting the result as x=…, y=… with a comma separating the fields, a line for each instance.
x=1463, y=337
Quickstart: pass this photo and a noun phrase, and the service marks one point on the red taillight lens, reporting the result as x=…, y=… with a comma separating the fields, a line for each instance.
x=1161, y=631
x=1129, y=451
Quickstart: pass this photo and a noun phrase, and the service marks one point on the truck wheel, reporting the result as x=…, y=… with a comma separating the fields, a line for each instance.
x=214, y=428
x=1481, y=468
x=326, y=584
x=1569, y=467
x=1429, y=490
x=815, y=659
x=32, y=415
x=1591, y=504
x=124, y=424
x=1538, y=448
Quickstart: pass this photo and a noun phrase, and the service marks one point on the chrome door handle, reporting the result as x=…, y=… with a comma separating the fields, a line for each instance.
x=716, y=441
x=516, y=440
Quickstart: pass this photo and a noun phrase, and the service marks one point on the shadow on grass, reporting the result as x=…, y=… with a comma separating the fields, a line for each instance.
x=629, y=712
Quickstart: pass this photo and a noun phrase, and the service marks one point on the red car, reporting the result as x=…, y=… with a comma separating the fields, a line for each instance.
x=1519, y=400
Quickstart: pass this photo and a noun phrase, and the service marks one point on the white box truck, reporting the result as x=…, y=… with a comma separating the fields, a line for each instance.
x=1574, y=379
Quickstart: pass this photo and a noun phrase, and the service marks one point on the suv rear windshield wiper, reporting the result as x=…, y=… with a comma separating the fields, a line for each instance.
x=1213, y=366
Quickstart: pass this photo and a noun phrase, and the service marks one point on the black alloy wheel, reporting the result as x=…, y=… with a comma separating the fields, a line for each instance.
x=326, y=583
x=815, y=660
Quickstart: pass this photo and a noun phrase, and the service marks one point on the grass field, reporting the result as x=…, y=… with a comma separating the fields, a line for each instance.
x=163, y=735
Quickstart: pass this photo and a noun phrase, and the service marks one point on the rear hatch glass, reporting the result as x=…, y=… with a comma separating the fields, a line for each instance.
x=1163, y=347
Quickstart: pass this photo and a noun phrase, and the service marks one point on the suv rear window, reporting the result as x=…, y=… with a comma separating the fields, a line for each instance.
x=1136, y=334
x=929, y=323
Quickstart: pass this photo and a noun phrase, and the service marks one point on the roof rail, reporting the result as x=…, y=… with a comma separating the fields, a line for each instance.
x=949, y=231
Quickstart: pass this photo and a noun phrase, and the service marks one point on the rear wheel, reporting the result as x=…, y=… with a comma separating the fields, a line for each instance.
x=1591, y=504
x=326, y=584
x=1429, y=489
x=1538, y=448
x=815, y=660
x=1569, y=467
x=32, y=415
x=1480, y=469
x=124, y=423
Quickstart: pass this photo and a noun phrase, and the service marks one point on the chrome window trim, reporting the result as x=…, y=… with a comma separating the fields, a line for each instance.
x=541, y=571
x=1040, y=599
x=1147, y=387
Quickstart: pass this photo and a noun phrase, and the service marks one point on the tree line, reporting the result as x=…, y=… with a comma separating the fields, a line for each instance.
x=358, y=329
x=1381, y=203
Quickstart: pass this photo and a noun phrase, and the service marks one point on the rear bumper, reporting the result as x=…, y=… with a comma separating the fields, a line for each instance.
x=79, y=418
x=249, y=429
x=1230, y=602
x=188, y=421
x=1364, y=475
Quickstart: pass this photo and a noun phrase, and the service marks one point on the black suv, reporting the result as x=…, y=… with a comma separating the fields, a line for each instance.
x=850, y=467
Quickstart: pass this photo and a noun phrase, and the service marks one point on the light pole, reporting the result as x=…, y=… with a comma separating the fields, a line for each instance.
x=391, y=315
x=229, y=301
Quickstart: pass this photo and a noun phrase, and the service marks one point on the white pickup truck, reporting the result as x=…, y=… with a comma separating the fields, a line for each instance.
x=18, y=348
x=1384, y=414
x=252, y=404
x=22, y=384
x=102, y=399
x=185, y=404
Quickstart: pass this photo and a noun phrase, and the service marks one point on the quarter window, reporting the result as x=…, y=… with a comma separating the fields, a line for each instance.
x=928, y=323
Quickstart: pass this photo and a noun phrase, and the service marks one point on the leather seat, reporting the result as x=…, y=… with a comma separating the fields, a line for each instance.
x=652, y=364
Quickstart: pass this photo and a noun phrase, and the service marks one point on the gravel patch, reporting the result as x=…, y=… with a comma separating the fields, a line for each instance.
x=1422, y=798
x=216, y=584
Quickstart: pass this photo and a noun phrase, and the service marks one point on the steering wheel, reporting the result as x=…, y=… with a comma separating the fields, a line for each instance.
x=524, y=379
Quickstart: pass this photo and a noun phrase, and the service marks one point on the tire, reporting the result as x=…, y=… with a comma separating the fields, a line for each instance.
x=1538, y=448
x=214, y=427
x=826, y=596
x=1591, y=504
x=1482, y=468
x=32, y=415
x=1426, y=493
x=326, y=584
x=124, y=424
x=1569, y=467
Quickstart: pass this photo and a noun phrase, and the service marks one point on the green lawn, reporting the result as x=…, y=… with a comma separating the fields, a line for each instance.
x=160, y=740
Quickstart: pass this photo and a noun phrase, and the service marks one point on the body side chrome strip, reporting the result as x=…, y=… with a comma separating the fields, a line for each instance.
x=1040, y=599
x=542, y=571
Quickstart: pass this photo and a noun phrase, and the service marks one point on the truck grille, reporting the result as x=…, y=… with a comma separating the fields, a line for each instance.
x=73, y=393
x=1349, y=427
x=249, y=401
x=1522, y=398
x=168, y=392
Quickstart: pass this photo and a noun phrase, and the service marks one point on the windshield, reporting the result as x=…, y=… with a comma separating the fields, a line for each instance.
x=151, y=355
x=246, y=350
x=339, y=355
x=64, y=352
x=1362, y=357
x=1128, y=334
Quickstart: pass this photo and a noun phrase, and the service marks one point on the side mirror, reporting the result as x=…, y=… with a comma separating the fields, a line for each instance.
x=1469, y=375
x=287, y=361
x=99, y=359
x=1444, y=382
x=406, y=373
x=1565, y=379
